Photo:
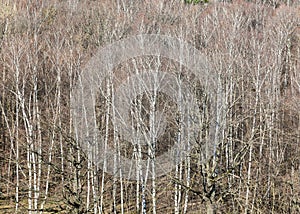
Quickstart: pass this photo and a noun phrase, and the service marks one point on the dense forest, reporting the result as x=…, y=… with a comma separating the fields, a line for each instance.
x=235, y=113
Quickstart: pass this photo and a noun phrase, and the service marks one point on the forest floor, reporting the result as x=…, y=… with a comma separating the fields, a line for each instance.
x=7, y=206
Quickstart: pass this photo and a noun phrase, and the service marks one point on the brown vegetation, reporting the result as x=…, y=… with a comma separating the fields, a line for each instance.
x=254, y=47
